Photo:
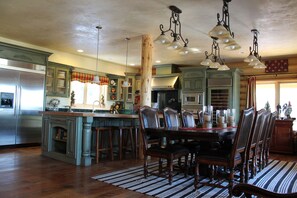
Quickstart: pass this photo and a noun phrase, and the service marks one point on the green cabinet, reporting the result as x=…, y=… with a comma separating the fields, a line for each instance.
x=193, y=79
x=61, y=138
x=115, y=89
x=223, y=90
x=57, y=80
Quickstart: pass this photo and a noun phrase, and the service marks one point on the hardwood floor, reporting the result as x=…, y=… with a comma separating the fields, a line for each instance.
x=24, y=172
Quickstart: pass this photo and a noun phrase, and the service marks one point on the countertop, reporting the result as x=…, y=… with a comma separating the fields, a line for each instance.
x=88, y=114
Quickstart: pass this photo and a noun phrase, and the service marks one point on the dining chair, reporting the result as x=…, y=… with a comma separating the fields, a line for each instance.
x=148, y=118
x=228, y=158
x=266, y=147
x=251, y=145
x=259, y=150
x=188, y=121
x=250, y=190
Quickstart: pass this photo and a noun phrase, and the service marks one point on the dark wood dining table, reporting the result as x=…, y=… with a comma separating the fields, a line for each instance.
x=215, y=134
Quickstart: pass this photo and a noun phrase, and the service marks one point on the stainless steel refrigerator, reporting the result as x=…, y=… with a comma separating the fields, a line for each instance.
x=22, y=97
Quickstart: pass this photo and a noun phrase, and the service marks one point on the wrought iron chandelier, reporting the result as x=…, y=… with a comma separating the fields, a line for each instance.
x=254, y=59
x=213, y=60
x=175, y=32
x=222, y=30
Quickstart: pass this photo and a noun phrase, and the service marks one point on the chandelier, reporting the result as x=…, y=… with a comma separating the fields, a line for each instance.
x=254, y=59
x=96, y=77
x=175, y=32
x=213, y=60
x=222, y=30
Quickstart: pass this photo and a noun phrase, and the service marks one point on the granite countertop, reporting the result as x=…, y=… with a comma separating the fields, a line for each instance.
x=89, y=114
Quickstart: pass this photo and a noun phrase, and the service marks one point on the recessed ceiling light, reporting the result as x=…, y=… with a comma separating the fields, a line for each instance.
x=196, y=50
x=158, y=61
x=132, y=64
x=80, y=50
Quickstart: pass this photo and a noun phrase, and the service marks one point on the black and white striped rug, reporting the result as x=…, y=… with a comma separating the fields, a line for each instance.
x=278, y=176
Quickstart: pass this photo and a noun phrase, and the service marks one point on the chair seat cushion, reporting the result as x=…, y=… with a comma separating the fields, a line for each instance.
x=175, y=150
x=221, y=155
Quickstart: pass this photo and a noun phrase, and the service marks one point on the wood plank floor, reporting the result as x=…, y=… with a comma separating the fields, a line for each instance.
x=24, y=172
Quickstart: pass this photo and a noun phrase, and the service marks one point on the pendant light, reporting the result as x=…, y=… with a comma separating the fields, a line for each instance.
x=96, y=77
x=126, y=83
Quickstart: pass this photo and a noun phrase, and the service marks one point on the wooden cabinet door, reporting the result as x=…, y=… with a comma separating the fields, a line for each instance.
x=282, y=139
x=193, y=84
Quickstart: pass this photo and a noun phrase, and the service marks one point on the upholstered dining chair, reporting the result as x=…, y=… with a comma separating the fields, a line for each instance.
x=267, y=139
x=251, y=146
x=188, y=121
x=259, y=150
x=250, y=190
x=148, y=118
x=228, y=158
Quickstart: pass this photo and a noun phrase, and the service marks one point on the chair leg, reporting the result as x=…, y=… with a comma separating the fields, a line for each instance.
x=196, y=176
x=110, y=144
x=97, y=146
x=145, y=171
x=231, y=180
x=160, y=166
x=170, y=170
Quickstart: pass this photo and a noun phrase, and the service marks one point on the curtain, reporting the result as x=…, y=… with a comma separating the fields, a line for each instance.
x=88, y=78
x=251, y=92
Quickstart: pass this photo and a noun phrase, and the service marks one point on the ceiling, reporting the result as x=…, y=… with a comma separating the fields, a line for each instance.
x=66, y=26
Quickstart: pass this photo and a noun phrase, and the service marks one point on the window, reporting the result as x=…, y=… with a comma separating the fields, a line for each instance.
x=277, y=92
x=87, y=93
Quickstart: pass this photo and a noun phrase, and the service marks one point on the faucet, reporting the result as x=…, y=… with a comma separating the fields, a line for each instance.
x=94, y=105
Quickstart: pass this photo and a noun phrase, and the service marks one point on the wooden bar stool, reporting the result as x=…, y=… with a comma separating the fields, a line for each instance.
x=103, y=135
x=125, y=140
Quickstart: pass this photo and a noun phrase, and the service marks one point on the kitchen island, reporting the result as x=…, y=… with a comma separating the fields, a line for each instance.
x=67, y=136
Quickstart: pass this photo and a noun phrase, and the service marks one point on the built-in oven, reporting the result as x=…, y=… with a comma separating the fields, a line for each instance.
x=192, y=99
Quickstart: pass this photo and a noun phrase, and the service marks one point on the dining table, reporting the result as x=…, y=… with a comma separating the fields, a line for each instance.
x=215, y=134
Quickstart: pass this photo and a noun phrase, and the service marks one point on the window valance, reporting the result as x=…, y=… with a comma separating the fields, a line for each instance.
x=88, y=78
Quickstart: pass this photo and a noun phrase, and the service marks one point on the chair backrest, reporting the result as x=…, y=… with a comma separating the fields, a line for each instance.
x=200, y=117
x=148, y=117
x=263, y=128
x=188, y=119
x=270, y=129
x=171, y=117
x=256, y=128
x=243, y=132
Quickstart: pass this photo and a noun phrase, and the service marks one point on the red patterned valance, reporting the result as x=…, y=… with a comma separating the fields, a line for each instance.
x=88, y=78
x=275, y=66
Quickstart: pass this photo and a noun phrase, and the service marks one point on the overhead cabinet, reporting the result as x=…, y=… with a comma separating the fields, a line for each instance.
x=57, y=80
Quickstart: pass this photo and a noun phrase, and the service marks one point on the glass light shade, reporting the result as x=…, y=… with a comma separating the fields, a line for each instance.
x=125, y=84
x=259, y=65
x=185, y=51
x=225, y=39
x=250, y=58
x=206, y=62
x=254, y=62
x=96, y=80
x=218, y=31
x=232, y=46
x=223, y=68
x=215, y=65
x=175, y=45
x=162, y=39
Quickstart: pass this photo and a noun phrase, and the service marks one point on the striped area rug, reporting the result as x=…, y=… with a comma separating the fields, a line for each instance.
x=278, y=176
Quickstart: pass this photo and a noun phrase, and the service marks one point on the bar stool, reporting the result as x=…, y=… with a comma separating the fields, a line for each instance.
x=100, y=137
x=126, y=140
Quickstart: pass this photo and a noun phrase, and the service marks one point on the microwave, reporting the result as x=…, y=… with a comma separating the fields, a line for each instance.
x=192, y=99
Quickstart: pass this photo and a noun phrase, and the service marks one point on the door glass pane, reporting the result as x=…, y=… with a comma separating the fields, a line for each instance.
x=265, y=93
x=288, y=93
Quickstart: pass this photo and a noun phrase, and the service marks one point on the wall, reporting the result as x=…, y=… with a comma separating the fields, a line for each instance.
x=260, y=74
x=80, y=63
